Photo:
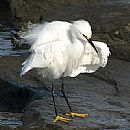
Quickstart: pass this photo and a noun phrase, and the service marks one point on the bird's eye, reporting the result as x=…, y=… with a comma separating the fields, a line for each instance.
x=85, y=36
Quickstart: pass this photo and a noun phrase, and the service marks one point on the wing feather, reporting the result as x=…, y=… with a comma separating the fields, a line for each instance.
x=91, y=60
x=39, y=34
x=43, y=56
x=48, y=44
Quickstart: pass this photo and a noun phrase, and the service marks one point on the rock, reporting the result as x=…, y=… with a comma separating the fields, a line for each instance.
x=88, y=93
x=35, y=11
x=5, y=13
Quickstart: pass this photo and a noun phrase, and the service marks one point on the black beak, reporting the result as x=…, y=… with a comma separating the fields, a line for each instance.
x=90, y=41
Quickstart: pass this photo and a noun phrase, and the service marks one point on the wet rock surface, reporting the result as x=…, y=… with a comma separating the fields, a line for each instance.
x=88, y=93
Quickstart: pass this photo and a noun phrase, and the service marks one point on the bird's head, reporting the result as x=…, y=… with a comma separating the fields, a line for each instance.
x=82, y=31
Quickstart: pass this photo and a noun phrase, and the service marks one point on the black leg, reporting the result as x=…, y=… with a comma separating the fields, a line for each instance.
x=53, y=96
x=62, y=90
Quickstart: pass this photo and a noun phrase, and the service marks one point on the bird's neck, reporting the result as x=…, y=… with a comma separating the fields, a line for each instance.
x=78, y=48
x=77, y=45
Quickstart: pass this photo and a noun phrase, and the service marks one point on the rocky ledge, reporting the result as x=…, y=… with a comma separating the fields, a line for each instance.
x=95, y=94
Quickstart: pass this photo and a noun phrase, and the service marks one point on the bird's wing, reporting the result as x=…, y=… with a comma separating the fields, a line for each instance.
x=43, y=56
x=91, y=60
x=49, y=43
x=39, y=34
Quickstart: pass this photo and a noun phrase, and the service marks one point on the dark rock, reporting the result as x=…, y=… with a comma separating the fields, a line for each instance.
x=35, y=11
x=5, y=13
x=92, y=94
x=12, y=99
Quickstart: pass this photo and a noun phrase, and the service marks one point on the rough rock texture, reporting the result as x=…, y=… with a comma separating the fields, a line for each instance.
x=35, y=11
x=88, y=93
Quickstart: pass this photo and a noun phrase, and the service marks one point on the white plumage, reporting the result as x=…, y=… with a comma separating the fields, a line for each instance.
x=62, y=49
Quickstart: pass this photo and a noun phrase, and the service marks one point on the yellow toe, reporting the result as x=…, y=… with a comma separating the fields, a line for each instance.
x=63, y=119
x=72, y=114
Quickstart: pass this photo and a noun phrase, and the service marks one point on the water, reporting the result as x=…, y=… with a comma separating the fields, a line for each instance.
x=12, y=120
x=9, y=119
x=6, y=45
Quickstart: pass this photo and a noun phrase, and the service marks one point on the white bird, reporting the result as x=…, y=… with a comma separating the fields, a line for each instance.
x=62, y=49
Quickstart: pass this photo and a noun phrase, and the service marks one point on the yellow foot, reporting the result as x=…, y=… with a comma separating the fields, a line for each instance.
x=63, y=119
x=72, y=114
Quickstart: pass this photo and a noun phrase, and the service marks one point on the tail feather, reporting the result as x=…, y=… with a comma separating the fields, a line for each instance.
x=27, y=65
x=25, y=70
x=34, y=61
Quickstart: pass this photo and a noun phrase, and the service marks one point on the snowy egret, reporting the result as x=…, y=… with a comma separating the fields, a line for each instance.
x=62, y=49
